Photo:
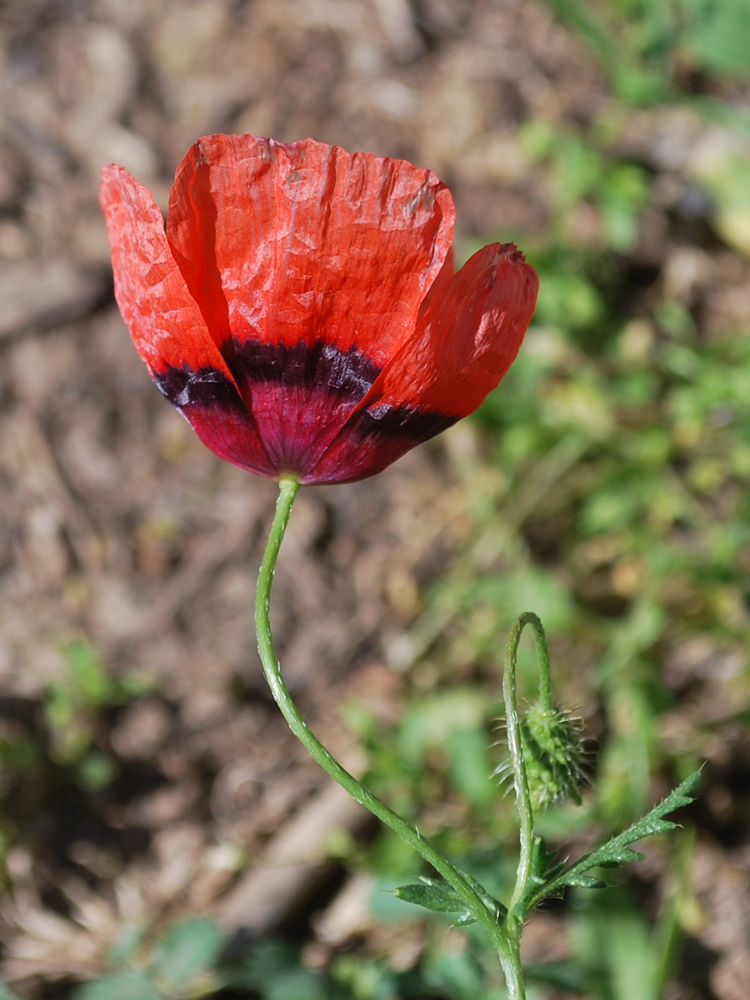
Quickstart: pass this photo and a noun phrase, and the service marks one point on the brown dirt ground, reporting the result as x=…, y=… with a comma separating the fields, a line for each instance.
x=117, y=525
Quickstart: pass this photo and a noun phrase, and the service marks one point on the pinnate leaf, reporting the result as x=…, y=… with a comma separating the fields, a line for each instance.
x=432, y=895
x=436, y=895
x=616, y=851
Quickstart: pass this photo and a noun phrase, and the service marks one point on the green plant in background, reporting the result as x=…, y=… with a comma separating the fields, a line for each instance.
x=651, y=430
x=640, y=43
x=72, y=706
x=179, y=963
x=63, y=732
x=581, y=169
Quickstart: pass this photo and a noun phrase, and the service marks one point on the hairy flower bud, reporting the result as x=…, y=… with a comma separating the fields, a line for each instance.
x=553, y=749
x=554, y=752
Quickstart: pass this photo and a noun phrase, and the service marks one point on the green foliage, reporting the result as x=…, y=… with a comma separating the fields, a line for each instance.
x=617, y=502
x=580, y=169
x=718, y=35
x=640, y=43
x=65, y=739
x=434, y=894
x=186, y=953
x=619, y=955
x=181, y=963
x=72, y=706
x=613, y=461
x=552, y=880
x=618, y=508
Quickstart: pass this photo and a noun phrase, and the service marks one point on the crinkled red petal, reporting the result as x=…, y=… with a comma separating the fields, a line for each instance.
x=167, y=327
x=466, y=340
x=304, y=242
x=468, y=336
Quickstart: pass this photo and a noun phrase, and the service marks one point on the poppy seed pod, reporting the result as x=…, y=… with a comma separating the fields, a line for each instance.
x=301, y=308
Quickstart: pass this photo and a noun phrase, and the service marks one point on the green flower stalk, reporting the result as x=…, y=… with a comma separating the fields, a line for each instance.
x=545, y=764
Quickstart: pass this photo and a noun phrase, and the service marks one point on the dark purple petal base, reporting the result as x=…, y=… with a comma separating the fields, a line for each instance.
x=293, y=413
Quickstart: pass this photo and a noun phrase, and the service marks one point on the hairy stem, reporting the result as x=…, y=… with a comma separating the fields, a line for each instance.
x=513, y=721
x=488, y=920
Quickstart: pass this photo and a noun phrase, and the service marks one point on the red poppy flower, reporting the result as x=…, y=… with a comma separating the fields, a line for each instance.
x=301, y=310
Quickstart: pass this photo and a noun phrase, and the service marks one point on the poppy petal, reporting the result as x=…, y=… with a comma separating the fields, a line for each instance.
x=468, y=336
x=283, y=243
x=372, y=440
x=167, y=327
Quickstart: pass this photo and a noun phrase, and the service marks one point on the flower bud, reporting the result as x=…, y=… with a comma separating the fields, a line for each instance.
x=553, y=752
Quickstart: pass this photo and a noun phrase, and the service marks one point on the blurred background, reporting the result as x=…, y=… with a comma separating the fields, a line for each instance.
x=161, y=835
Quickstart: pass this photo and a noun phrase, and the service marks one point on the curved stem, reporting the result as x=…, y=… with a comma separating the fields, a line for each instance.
x=542, y=659
x=520, y=780
x=287, y=491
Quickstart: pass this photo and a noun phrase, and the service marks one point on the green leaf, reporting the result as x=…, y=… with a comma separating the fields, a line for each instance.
x=565, y=976
x=274, y=971
x=720, y=36
x=470, y=766
x=436, y=895
x=495, y=907
x=90, y=679
x=187, y=950
x=121, y=986
x=616, y=947
x=541, y=861
x=432, y=895
x=586, y=882
x=542, y=872
x=6, y=993
x=617, y=851
x=455, y=974
x=429, y=723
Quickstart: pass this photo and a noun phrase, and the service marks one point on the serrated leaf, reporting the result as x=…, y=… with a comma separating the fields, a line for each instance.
x=658, y=826
x=541, y=872
x=586, y=882
x=541, y=860
x=617, y=851
x=621, y=857
x=555, y=870
x=437, y=897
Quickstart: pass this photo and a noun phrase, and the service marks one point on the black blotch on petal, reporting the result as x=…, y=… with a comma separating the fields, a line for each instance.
x=207, y=387
x=320, y=366
x=406, y=422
